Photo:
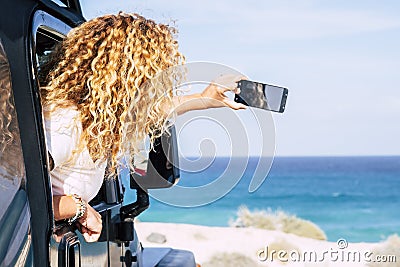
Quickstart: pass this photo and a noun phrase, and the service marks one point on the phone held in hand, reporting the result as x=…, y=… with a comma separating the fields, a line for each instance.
x=261, y=95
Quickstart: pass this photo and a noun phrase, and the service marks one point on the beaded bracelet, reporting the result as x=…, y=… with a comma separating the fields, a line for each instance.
x=80, y=208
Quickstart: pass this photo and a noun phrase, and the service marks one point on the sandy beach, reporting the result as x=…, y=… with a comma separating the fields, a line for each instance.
x=232, y=246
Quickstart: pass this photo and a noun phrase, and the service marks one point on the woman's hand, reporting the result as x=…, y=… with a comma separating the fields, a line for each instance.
x=213, y=96
x=90, y=224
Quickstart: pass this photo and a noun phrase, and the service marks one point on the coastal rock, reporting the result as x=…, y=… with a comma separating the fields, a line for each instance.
x=277, y=220
x=156, y=238
x=229, y=259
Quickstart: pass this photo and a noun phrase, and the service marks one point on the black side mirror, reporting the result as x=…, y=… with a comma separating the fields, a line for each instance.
x=161, y=170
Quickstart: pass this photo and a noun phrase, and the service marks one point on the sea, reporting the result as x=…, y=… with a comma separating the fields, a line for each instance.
x=356, y=198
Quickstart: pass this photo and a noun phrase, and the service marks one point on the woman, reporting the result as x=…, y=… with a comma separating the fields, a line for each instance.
x=98, y=108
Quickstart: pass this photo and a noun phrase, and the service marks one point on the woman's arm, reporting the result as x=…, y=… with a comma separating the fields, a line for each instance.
x=64, y=207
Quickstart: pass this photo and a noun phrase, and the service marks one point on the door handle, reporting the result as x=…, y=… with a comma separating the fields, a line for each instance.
x=69, y=251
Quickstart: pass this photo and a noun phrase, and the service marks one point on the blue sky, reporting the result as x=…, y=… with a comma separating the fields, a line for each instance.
x=339, y=59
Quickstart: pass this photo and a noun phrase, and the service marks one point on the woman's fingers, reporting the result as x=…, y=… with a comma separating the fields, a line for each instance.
x=234, y=105
x=228, y=82
x=92, y=238
x=90, y=235
x=98, y=216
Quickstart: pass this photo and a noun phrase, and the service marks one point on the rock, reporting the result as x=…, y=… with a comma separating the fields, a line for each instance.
x=156, y=238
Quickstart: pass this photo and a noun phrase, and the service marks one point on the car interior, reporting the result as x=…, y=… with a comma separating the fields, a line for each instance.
x=27, y=186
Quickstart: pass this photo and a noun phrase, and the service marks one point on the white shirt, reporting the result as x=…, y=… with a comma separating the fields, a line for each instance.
x=77, y=174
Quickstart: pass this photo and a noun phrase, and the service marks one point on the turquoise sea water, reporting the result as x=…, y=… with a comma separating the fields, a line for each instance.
x=357, y=198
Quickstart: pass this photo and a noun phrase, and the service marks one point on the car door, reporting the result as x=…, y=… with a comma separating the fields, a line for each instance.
x=47, y=31
x=15, y=237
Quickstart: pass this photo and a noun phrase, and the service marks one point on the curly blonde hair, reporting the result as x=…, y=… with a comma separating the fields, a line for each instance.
x=101, y=68
x=11, y=157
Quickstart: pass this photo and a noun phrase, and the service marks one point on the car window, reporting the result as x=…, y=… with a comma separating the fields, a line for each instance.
x=58, y=2
x=12, y=168
x=45, y=44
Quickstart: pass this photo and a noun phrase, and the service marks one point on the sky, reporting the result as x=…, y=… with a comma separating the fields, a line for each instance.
x=339, y=59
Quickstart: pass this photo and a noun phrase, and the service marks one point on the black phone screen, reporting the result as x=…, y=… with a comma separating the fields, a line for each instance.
x=260, y=95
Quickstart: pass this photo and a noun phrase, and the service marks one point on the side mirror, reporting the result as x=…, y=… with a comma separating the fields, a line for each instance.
x=161, y=168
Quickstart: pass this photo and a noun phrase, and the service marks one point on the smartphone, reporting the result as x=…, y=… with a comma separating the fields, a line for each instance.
x=261, y=95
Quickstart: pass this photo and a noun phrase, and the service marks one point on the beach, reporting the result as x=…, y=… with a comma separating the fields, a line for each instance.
x=232, y=246
x=321, y=211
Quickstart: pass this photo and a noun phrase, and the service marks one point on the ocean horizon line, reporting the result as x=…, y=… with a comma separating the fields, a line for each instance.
x=295, y=157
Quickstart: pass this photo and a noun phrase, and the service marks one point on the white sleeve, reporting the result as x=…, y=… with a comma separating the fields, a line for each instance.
x=62, y=135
